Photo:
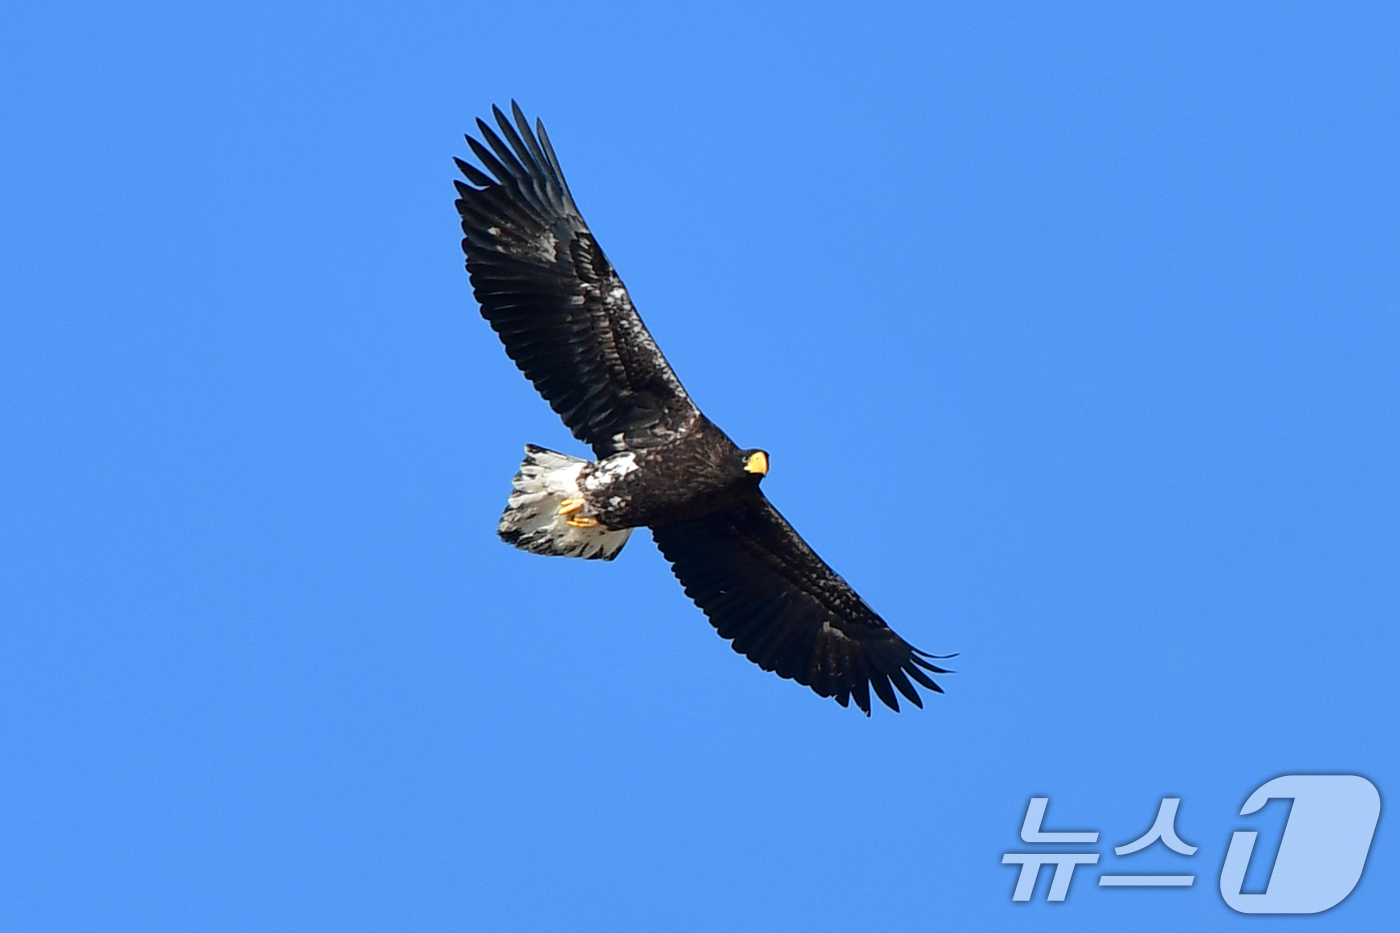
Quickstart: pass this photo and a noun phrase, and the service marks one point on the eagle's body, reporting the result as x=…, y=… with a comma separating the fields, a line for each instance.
x=566, y=319
x=703, y=474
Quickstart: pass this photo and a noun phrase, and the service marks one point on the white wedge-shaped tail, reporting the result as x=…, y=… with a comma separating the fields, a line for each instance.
x=547, y=482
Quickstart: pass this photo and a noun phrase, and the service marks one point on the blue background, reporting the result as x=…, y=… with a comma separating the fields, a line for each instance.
x=1071, y=329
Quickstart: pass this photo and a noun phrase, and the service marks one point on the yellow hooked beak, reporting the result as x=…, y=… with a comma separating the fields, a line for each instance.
x=757, y=463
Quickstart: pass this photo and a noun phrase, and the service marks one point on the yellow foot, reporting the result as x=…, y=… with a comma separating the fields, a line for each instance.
x=570, y=506
x=582, y=521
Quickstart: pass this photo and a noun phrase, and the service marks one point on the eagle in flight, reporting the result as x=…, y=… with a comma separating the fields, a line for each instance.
x=566, y=320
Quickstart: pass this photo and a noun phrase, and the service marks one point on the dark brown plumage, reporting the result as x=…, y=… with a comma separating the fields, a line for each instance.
x=566, y=320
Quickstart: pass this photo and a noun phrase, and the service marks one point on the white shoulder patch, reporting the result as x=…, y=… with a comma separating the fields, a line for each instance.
x=608, y=471
x=619, y=464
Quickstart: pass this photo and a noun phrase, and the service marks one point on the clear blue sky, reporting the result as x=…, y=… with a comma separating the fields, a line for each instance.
x=1071, y=329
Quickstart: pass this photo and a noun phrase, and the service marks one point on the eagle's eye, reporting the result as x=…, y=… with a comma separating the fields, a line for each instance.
x=756, y=462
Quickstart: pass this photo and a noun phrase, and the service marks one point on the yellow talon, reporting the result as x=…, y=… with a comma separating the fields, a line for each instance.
x=570, y=506
x=582, y=521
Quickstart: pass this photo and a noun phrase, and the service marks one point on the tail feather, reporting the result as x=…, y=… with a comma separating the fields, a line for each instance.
x=532, y=521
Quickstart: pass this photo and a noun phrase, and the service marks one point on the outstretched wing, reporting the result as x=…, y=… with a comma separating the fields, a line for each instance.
x=554, y=299
x=786, y=610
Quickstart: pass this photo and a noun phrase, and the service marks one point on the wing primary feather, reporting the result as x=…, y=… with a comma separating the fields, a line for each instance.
x=493, y=165
x=475, y=175
x=509, y=158
x=524, y=126
x=927, y=666
x=533, y=172
x=554, y=162
x=923, y=679
x=860, y=689
x=522, y=152
x=502, y=151
x=903, y=685
x=881, y=684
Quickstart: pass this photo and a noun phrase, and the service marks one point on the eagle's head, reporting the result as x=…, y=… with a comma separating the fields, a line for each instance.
x=755, y=462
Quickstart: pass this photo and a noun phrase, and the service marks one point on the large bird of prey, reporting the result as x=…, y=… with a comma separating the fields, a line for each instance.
x=566, y=320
